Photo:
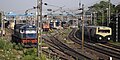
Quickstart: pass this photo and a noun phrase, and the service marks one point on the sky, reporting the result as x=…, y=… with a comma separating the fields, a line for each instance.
x=20, y=6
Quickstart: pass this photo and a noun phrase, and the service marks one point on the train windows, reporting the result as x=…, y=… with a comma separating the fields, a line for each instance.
x=57, y=23
x=63, y=23
x=51, y=24
x=104, y=31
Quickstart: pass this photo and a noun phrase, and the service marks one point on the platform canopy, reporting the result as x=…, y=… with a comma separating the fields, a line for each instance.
x=11, y=14
x=28, y=14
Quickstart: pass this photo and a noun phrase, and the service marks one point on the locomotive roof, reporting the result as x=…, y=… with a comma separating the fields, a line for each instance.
x=27, y=26
x=24, y=26
x=17, y=26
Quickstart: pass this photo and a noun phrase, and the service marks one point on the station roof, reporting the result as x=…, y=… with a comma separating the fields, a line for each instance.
x=11, y=14
x=29, y=14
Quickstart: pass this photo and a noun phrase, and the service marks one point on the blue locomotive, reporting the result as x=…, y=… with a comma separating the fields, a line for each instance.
x=25, y=34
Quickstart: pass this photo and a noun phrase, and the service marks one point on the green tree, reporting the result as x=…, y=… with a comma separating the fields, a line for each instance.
x=101, y=9
x=118, y=8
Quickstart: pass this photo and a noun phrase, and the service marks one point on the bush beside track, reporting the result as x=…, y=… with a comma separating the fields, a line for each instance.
x=11, y=51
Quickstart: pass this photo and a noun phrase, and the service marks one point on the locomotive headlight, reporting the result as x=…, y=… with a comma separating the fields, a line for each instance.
x=100, y=38
x=108, y=38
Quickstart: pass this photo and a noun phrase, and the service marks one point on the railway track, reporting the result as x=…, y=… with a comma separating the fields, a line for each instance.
x=112, y=52
x=112, y=45
x=57, y=48
x=54, y=52
x=109, y=47
x=53, y=45
x=65, y=49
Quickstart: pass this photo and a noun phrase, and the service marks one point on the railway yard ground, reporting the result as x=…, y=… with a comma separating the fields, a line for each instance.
x=115, y=43
x=60, y=30
x=63, y=37
x=60, y=44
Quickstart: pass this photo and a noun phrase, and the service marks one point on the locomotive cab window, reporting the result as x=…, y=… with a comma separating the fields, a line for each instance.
x=57, y=23
x=104, y=31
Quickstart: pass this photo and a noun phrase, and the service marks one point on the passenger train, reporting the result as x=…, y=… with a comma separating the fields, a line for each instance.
x=100, y=34
x=25, y=34
x=46, y=26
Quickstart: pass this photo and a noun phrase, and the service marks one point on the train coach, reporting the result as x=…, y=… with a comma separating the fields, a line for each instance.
x=46, y=26
x=100, y=34
x=25, y=34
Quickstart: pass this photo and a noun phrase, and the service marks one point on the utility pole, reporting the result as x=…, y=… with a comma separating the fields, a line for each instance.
x=39, y=27
x=79, y=16
x=109, y=11
x=79, y=3
x=91, y=18
x=94, y=18
x=2, y=23
x=102, y=17
x=83, y=27
x=107, y=17
x=62, y=17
